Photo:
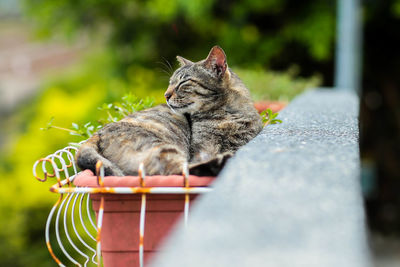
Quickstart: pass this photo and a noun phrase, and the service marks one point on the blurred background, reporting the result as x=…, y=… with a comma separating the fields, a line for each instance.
x=64, y=58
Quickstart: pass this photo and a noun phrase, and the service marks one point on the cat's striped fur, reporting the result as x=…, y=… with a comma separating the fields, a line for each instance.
x=211, y=115
x=158, y=137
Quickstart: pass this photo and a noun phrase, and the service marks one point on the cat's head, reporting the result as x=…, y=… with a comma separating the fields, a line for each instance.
x=199, y=86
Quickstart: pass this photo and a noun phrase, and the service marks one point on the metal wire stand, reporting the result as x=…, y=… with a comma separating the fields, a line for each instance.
x=72, y=212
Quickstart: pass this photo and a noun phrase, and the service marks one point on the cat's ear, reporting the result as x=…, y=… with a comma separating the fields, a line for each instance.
x=216, y=61
x=183, y=61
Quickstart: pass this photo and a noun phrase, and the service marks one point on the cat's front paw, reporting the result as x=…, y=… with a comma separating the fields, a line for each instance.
x=112, y=170
x=210, y=167
x=222, y=158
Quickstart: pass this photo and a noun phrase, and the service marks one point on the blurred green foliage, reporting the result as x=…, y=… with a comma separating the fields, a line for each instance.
x=272, y=85
x=132, y=47
x=250, y=31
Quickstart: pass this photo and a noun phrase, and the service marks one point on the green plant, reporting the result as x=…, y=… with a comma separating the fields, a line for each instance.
x=268, y=117
x=114, y=112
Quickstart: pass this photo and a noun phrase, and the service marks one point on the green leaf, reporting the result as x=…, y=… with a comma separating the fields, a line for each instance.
x=49, y=125
x=276, y=121
x=75, y=126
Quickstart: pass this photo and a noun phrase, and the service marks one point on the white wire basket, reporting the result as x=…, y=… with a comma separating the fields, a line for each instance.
x=84, y=217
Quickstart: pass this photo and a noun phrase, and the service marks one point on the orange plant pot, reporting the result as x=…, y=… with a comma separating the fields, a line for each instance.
x=120, y=228
x=275, y=106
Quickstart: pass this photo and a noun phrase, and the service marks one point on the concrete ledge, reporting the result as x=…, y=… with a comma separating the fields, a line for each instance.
x=291, y=197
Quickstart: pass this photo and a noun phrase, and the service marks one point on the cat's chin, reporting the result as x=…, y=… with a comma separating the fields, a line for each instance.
x=171, y=108
x=180, y=109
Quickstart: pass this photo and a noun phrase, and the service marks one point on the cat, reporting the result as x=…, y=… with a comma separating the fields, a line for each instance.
x=209, y=116
x=158, y=137
x=218, y=106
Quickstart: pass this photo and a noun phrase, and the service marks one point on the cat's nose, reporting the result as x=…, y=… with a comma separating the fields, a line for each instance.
x=167, y=95
x=169, y=92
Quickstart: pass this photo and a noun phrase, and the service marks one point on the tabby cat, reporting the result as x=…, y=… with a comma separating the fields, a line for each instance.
x=210, y=116
x=217, y=104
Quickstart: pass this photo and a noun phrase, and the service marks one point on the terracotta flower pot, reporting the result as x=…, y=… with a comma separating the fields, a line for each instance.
x=275, y=106
x=120, y=237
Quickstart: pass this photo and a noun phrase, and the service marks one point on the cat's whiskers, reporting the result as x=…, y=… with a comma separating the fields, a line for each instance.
x=167, y=67
x=173, y=110
x=171, y=69
x=164, y=71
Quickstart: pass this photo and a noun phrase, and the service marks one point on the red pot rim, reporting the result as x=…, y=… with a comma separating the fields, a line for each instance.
x=275, y=106
x=86, y=178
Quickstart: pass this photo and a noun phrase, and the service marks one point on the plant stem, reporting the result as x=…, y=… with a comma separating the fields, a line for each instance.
x=64, y=129
x=110, y=117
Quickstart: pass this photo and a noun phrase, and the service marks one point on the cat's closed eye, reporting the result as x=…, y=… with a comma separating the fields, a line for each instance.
x=185, y=87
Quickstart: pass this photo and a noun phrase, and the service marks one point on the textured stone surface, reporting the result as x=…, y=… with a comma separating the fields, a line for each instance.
x=291, y=197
